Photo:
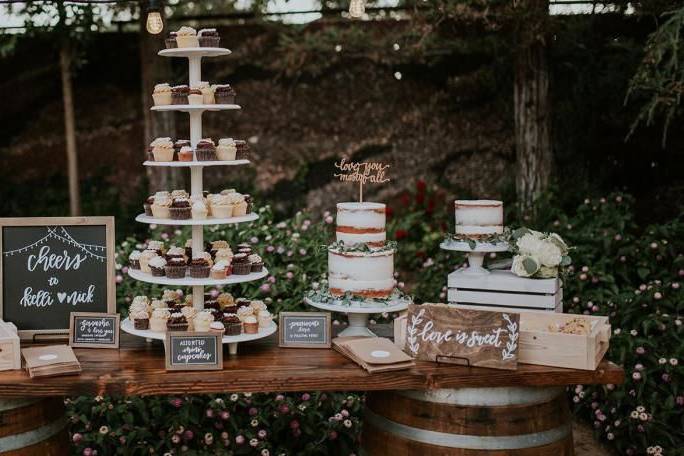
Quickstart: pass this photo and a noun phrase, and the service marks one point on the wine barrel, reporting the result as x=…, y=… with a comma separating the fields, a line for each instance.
x=468, y=422
x=33, y=427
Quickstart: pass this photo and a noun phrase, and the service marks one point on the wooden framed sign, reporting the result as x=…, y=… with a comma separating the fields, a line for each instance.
x=94, y=330
x=193, y=351
x=305, y=329
x=52, y=266
x=437, y=332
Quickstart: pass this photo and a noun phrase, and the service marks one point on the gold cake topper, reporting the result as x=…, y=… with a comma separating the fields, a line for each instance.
x=361, y=172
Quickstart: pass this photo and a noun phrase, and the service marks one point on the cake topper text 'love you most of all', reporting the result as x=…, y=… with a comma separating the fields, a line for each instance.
x=361, y=172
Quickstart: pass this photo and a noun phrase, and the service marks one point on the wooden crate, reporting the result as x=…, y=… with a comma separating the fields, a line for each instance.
x=10, y=354
x=504, y=291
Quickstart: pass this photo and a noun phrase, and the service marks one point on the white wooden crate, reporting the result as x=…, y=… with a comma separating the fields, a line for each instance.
x=503, y=290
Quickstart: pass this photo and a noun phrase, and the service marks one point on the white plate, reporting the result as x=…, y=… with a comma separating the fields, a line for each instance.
x=194, y=52
x=195, y=108
x=127, y=326
x=392, y=306
x=195, y=164
x=189, y=281
x=142, y=218
x=462, y=246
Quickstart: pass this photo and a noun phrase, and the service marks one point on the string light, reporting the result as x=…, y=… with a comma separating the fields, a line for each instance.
x=154, y=23
x=357, y=8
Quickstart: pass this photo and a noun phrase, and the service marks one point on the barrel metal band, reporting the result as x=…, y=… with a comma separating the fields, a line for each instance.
x=469, y=442
x=486, y=397
x=28, y=438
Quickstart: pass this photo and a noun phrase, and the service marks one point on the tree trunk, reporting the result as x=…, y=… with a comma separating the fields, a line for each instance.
x=155, y=69
x=70, y=129
x=532, y=109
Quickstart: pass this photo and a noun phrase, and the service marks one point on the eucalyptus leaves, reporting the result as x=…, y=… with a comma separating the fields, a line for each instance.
x=538, y=255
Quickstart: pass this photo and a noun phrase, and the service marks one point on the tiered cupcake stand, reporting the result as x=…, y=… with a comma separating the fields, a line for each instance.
x=194, y=56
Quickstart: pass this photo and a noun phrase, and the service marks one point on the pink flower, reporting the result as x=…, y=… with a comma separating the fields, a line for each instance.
x=272, y=279
x=176, y=402
x=279, y=398
x=262, y=434
x=253, y=411
x=119, y=278
x=209, y=413
x=332, y=435
x=328, y=219
x=306, y=396
x=240, y=439
x=294, y=424
x=265, y=288
x=175, y=438
x=225, y=414
x=270, y=249
x=77, y=437
x=188, y=435
x=88, y=451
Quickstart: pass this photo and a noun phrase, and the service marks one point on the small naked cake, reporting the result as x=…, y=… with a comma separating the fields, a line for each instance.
x=477, y=219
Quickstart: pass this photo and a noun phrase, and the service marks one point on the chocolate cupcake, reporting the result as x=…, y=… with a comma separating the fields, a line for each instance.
x=241, y=265
x=180, y=209
x=147, y=205
x=178, y=145
x=256, y=262
x=134, y=259
x=205, y=151
x=177, y=322
x=199, y=268
x=247, y=250
x=242, y=150
x=188, y=248
x=170, y=41
x=242, y=302
x=217, y=314
x=150, y=155
x=175, y=268
x=211, y=304
x=141, y=321
x=224, y=94
x=158, y=266
x=179, y=94
x=233, y=324
x=208, y=38
x=250, y=203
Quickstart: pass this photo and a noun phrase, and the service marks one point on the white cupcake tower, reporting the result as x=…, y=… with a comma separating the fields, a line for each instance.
x=194, y=56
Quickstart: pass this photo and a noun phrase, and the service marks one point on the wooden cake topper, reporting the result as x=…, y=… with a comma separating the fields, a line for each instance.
x=361, y=172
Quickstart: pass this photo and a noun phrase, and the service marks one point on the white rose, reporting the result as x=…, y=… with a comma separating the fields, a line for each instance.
x=524, y=266
x=549, y=254
x=528, y=244
x=556, y=239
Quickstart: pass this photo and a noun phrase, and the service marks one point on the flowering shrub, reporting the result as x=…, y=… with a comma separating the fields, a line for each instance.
x=632, y=275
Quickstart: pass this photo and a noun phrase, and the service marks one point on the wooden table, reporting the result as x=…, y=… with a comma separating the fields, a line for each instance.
x=261, y=366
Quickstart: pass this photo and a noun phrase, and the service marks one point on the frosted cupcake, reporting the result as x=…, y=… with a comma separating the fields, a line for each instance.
x=202, y=321
x=256, y=262
x=185, y=154
x=145, y=258
x=216, y=327
x=158, y=319
x=226, y=150
x=244, y=312
x=189, y=313
x=186, y=37
x=250, y=324
x=157, y=266
x=162, y=149
x=134, y=259
x=239, y=204
x=161, y=206
x=224, y=254
x=141, y=320
x=195, y=96
x=257, y=305
x=199, y=210
x=207, y=92
x=140, y=304
x=264, y=318
x=175, y=268
x=218, y=270
x=208, y=37
x=162, y=94
x=221, y=206
x=157, y=304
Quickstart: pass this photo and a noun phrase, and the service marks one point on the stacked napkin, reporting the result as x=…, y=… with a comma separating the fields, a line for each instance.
x=50, y=361
x=374, y=354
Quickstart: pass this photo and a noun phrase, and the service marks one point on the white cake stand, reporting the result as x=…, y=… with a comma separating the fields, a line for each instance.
x=475, y=255
x=232, y=341
x=359, y=311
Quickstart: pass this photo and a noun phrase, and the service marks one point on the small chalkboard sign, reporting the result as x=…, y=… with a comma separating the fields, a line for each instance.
x=305, y=329
x=94, y=330
x=52, y=266
x=193, y=351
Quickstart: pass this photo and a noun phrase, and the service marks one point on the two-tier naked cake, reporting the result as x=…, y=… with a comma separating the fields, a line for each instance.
x=476, y=219
x=361, y=263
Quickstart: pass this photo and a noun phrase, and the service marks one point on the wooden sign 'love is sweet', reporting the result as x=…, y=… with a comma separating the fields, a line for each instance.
x=437, y=332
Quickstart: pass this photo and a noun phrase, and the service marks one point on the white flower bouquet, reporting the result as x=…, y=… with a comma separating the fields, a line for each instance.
x=538, y=255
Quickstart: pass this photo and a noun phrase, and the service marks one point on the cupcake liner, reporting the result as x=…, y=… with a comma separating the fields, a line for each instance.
x=205, y=155
x=179, y=99
x=180, y=213
x=224, y=99
x=257, y=267
x=141, y=323
x=148, y=210
x=209, y=41
x=177, y=327
x=199, y=272
x=175, y=272
x=251, y=328
x=157, y=272
x=222, y=211
x=234, y=329
x=184, y=41
x=170, y=43
x=218, y=275
x=242, y=268
x=162, y=99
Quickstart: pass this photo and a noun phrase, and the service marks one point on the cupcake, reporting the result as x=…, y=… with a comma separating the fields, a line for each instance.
x=202, y=321
x=214, y=246
x=188, y=248
x=177, y=322
x=221, y=206
x=199, y=268
x=195, y=96
x=186, y=37
x=179, y=144
x=199, y=210
x=158, y=266
x=208, y=37
x=176, y=252
x=139, y=304
x=224, y=254
x=161, y=95
x=161, y=205
x=170, y=41
x=217, y=328
x=241, y=264
x=205, y=150
x=232, y=324
x=170, y=296
x=189, y=313
x=226, y=150
x=225, y=300
x=250, y=324
x=175, y=268
x=224, y=94
x=157, y=304
x=180, y=209
x=180, y=194
x=218, y=270
x=185, y=154
x=257, y=305
x=147, y=205
x=264, y=318
x=239, y=204
x=207, y=93
x=145, y=258
x=256, y=262
x=141, y=320
x=242, y=147
x=250, y=203
x=159, y=319
x=179, y=94
x=134, y=259
x=244, y=312
x=157, y=246
x=162, y=149
x=247, y=250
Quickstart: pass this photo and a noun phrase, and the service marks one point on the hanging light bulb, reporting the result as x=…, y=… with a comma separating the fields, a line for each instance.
x=154, y=24
x=357, y=8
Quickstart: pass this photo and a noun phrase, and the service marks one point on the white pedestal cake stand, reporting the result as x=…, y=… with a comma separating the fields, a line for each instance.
x=358, y=312
x=194, y=56
x=475, y=255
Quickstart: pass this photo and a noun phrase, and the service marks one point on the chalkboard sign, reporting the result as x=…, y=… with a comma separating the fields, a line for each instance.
x=50, y=267
x=94, y=330
x=193, y=351
x=305, y=329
